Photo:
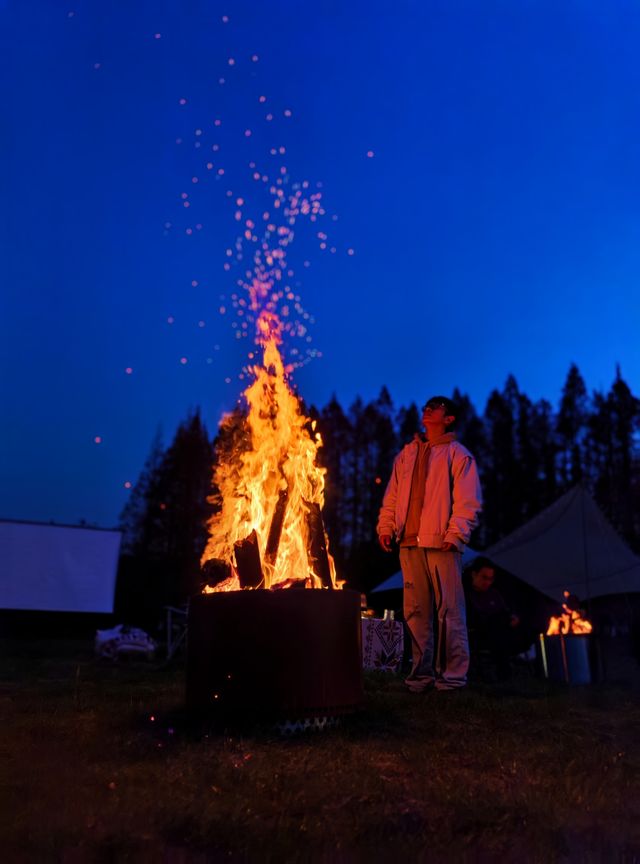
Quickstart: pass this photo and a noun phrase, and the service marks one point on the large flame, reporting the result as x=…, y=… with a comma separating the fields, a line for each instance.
x=570, y=622
x=278, y=465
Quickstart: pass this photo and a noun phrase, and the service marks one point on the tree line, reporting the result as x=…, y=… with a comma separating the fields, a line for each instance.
x=528, y=454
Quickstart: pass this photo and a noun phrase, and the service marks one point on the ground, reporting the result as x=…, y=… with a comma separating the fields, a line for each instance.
x=99, y=763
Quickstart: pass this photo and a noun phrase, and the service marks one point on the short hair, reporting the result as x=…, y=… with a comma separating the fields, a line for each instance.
x=479, y=562
x=450, y=407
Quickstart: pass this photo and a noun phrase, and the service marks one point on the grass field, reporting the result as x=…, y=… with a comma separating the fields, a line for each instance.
x=97, y=764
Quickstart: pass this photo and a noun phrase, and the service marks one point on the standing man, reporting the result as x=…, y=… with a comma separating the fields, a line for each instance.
x=430, y=506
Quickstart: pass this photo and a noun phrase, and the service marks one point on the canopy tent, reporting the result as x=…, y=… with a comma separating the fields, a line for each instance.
x=570, y=546
x=532, y=606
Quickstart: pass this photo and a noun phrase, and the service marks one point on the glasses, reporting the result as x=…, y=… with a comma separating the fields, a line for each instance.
x=432, y=404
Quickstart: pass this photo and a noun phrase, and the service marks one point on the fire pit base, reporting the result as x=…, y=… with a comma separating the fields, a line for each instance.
x=570, y=658
x=274, y=655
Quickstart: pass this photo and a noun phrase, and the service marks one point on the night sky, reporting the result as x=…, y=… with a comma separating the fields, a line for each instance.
x=479, y=186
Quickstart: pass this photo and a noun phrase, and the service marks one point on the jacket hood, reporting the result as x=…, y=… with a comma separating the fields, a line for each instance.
x=447, y=438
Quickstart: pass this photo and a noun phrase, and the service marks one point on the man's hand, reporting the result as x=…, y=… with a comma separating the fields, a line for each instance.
x=449, y=547
x=385, y=542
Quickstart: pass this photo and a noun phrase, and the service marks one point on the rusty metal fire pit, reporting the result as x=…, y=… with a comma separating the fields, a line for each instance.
x=274, y=655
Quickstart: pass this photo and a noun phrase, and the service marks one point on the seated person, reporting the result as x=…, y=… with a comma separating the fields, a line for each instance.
x=490, y=622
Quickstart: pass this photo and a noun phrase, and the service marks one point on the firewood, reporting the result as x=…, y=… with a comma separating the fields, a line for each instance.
x=214, y=571
x=317, y=545
x=275, y=530
x=248, y=562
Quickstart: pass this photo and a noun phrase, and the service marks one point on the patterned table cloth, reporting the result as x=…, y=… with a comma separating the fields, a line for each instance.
x=382, y=644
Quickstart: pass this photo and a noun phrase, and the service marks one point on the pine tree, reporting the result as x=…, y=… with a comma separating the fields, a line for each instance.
x=501, y=507
x=134, y=512
x=335, y=456
x=357, y=467
x=614, y=431
x=174, y=529
x=571, y=429
x=541, y=427
x=469, y=427
x=408, y=423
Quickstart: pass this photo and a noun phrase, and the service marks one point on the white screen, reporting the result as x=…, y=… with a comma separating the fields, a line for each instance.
x=57, y=569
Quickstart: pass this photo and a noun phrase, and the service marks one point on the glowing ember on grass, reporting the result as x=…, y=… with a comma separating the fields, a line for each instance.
x=570, y=622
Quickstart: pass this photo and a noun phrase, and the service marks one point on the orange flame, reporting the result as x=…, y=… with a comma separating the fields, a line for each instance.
x=281, y=460
x=570, y=622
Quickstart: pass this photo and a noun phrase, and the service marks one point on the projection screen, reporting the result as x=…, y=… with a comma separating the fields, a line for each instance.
x=55, y=568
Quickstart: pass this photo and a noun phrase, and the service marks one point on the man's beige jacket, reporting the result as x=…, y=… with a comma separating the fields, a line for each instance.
x=452, y=496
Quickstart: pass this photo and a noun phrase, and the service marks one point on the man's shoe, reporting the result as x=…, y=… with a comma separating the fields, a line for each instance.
x=423, y=688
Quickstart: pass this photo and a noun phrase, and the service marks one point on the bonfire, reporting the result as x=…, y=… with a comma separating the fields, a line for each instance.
x=267, y=531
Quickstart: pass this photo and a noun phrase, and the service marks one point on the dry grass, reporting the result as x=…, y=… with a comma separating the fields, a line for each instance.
x=528, y=773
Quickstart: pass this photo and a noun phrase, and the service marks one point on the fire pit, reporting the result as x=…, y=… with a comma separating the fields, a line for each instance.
x=566, y=650
x=274, y=655
x=273, y=636
x=566, y=658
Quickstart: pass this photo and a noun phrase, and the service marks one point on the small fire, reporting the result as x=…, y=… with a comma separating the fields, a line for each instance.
x=271, y=490
x=570, y=622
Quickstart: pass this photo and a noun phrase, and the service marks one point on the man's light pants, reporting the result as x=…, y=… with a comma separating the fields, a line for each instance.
x=433, y=582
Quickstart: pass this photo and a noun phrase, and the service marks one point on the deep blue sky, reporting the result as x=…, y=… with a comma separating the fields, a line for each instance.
x=495, y=229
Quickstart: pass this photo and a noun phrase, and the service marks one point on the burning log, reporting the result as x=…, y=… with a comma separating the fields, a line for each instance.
x=317, y=545
x=215, y=570
x=275, y=530
x=248, y=564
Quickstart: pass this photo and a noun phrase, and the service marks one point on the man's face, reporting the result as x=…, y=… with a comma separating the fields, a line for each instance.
x=483, y=578
x=434, y=413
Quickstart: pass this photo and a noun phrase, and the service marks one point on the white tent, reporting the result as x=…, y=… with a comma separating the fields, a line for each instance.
x=57, y=568
x=570, y=546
